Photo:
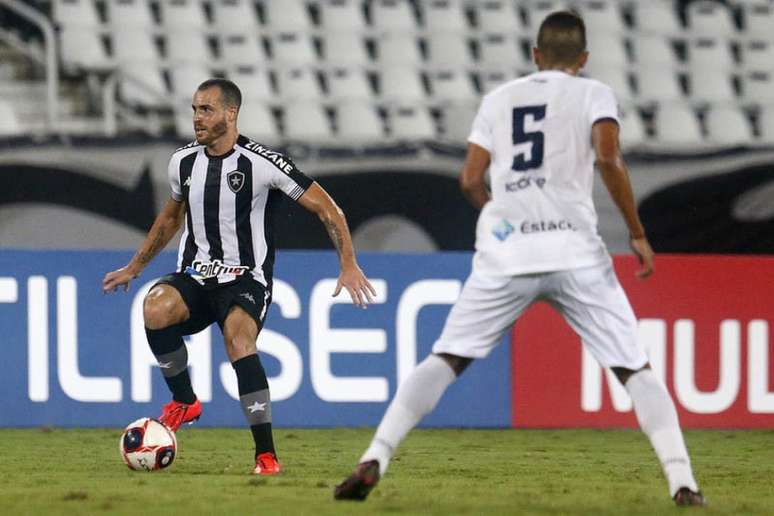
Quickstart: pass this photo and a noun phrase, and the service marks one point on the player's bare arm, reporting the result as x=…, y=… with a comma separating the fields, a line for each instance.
x=616, y=179
x=317, y=200
x=473, y=177
x=164, y=228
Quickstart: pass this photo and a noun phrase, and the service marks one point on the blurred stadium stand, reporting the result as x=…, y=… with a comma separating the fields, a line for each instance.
x=113, y=67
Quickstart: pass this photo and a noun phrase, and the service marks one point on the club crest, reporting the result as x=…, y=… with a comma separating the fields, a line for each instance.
x=235, y=180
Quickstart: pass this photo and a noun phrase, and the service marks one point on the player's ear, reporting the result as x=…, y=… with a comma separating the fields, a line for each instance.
x=583, y=59
x=536, y=57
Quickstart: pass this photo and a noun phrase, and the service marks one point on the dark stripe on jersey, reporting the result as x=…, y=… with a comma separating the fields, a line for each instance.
x=212, y=208
x=243, y=208
x=272, y=205
x=186, y=169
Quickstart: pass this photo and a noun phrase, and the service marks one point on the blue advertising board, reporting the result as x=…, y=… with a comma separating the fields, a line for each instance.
x=73, y=356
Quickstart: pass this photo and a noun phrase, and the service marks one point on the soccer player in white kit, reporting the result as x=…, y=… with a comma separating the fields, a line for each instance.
x=537, y=239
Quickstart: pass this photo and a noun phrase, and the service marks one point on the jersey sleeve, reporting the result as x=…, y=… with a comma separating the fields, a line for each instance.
x=481, y=133
x=173, y=172
x=285, y=176
x=603, y=104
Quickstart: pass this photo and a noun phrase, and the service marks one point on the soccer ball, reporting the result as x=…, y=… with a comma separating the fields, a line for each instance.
x=147, y=445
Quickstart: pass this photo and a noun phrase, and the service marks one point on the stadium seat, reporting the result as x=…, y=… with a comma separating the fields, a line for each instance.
x=457, y=120
x=345, y=48
x=134, y=44
x=657, y=84
x=183, y=118
x=235, y=15
x=451, y=86
x=410, y=123
x=129, y=13
x=499, y=16
x=393, y=16
x=183, y=14
x=75, y=13
x=711, y=85
x=766, y=124
x=9, y=121
x=615, y=77
x=601, y=16
x=632, y=131
x=537, y=10
x=758, y=54
x=257, y=122
x=292, y=48
x=501, y=49
x=401, y=83
x=653, y=50
x=82, y=48
x=342, y=15
x=710, y=18
x=444, y=15
x=298, y=83
x=187, y=47
x=608, y=50
x=656, y=17
x=253, y=81
x=185, y=78
x=491, y=79
x=287, y=15
x=241, y=48
x=758, y=18
x=359, y=122
x=448, y=49
x=678, y=125
x=728, y=125
x=394, y=49
x=307, y=122
x=758, y=87
x=348, y=83
x=142, y=84
x=710, y=52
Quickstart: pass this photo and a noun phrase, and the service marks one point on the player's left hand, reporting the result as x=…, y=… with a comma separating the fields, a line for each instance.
x=360, y=289
x=645, y=255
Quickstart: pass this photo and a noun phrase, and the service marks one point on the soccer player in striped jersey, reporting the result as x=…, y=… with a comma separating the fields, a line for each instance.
x=540, y=136
x=225, y=187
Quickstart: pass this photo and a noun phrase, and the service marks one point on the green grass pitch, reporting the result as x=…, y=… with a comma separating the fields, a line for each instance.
x=69, y=472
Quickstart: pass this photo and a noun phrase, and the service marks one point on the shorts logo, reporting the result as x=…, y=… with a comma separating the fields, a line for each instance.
x=248, y=296
x=502, y=230
x=235, y=180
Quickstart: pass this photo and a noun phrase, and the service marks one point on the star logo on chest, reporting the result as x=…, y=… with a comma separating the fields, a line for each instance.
x=235, y=180
x=256, y=407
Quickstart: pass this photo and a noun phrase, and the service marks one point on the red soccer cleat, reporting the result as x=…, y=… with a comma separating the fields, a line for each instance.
x=267, y=464
x=359, y=483
x=685, y=496
x=175, y=414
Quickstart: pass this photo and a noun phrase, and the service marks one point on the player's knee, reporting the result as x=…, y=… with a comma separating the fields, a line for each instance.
x=159, y=311
x=239, y=346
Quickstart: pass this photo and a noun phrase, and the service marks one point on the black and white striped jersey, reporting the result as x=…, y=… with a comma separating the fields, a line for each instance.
x=230, y=201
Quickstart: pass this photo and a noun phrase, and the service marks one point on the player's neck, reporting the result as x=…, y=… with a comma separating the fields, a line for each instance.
x=223, y=144
x=570, y=70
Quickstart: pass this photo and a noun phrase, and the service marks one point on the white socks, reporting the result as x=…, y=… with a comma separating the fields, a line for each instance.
x=658, y=420
x=417, y=396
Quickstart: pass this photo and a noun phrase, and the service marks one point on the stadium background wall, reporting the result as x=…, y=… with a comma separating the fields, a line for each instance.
x=73, y=357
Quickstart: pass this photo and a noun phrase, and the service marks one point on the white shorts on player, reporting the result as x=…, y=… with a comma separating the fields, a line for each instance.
x=590, y=299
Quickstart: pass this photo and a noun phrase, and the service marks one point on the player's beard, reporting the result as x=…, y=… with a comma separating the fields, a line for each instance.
x=212, y=133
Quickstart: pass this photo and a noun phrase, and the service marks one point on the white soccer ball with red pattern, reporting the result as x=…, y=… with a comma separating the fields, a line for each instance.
x=148, y=445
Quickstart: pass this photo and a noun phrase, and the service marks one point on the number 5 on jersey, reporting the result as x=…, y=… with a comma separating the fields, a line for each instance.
x=537, y=113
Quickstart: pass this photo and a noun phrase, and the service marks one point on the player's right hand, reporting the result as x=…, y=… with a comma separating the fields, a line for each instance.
x=645, y=255
x=117, y=278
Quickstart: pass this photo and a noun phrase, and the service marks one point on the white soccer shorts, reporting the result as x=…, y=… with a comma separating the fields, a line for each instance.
x=590, y=299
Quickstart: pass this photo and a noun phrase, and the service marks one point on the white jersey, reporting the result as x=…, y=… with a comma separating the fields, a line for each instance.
x=537, y=130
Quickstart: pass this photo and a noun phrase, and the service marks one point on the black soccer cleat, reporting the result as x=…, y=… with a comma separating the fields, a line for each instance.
x=685, y=497
x=359, y=483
